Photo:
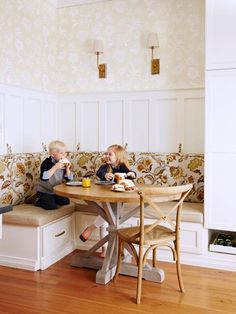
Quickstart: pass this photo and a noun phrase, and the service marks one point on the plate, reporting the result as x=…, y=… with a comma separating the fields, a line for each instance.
x=131, y=191
x=74, y=183
x=104, y=182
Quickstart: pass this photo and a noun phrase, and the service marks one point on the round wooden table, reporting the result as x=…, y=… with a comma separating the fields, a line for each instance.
x=99, y=193
x=108, y=204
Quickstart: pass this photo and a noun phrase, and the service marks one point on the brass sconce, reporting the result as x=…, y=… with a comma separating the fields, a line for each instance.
x=153, y=43
x=98, y=49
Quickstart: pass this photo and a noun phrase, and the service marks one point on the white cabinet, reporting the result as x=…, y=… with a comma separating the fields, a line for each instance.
x=220, y=174
x=220, y=157
x=220, y=34
x=221, y=111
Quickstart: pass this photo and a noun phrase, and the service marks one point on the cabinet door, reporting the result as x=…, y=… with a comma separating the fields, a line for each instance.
x=221, y=111
x=220, y=34
x=220, y=174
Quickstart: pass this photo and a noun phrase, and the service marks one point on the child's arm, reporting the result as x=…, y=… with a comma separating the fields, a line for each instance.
x=69, y=174
x=103, y=173
x=54, y=168
x=129, y=174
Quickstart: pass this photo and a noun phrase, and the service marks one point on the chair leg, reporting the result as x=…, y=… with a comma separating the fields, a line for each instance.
x=140, y=275
x=119, y=257
x=179, y=273
x=154, y=257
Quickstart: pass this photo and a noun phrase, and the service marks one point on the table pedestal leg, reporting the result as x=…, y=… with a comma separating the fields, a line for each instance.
x=149, y=273
x=106, y=273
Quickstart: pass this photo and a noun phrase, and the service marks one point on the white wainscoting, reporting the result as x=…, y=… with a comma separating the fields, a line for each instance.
x=27, y=119
x=148, y=121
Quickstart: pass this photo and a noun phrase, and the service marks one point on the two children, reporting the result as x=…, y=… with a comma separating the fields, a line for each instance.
x=54, y=171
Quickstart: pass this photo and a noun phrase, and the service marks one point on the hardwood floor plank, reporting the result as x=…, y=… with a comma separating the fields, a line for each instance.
x=65, y=289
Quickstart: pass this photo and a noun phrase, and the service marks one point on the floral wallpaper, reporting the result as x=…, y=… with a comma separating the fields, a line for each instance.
x=28, y=44
x=123, y=25
x=51, y=49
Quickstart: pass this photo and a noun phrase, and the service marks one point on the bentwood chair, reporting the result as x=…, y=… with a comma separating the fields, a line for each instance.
x=164, y=231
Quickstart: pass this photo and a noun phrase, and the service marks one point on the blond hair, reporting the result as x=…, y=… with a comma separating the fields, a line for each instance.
x=120, y=153
x=56, y=145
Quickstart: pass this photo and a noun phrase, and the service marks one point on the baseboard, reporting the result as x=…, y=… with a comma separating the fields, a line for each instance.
x=208, y=260
x=21, y=263
x=50, y=260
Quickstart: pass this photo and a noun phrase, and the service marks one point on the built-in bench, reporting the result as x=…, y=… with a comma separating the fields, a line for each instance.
x=35, y=238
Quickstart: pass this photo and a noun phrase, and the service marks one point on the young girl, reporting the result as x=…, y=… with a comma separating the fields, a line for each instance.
x=115, y=160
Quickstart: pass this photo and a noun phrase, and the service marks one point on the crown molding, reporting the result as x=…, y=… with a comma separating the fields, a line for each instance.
x=70, y=3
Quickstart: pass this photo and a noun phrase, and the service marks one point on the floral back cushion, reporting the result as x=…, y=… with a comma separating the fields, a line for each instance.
x=152, y=168
x=19, y=173
x=18, y=176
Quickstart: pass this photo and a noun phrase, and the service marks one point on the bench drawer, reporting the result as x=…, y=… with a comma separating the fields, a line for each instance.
x=56, y=235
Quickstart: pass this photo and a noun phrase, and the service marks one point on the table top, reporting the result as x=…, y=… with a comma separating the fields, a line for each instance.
x=100, y=193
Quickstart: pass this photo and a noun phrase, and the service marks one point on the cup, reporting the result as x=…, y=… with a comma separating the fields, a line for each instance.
x=86, y=183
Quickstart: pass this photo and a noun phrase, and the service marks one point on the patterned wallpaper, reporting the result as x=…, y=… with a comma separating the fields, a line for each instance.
x=51, y=49
x=28, y=44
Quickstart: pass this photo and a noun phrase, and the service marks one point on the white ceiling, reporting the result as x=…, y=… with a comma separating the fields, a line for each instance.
x=69, y=3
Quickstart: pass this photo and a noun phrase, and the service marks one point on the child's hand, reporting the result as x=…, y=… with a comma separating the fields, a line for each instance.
x=131, y=175
x=59, y=165
x=109, y=176
x=68, y=166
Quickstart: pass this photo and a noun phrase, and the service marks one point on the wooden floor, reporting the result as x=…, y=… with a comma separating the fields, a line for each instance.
x=65, y=289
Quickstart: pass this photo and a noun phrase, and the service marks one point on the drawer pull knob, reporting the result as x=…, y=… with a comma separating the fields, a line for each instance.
x=59, y=234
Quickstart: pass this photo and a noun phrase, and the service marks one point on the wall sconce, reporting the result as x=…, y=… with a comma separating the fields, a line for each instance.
x=153, y=43
x=98, y=49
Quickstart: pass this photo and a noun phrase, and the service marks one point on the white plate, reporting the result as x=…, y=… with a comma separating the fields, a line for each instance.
x=74, y=183
x=130, y=191
x=104, y=182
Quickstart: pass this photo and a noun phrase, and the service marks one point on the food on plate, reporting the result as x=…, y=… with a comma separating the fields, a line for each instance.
x=118, y=187
x=124, y=185
x=65, y=161
x=118, y=176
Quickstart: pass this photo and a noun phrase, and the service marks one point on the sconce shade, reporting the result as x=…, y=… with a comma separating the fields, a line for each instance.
x=153, y=40
x=98, y=46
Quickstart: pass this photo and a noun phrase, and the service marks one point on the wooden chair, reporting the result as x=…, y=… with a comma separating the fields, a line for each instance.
x=163, y=232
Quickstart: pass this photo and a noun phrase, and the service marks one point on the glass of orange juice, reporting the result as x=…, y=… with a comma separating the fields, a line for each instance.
x=86, y=182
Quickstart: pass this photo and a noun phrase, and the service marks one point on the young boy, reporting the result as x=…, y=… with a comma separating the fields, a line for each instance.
x=53, y=171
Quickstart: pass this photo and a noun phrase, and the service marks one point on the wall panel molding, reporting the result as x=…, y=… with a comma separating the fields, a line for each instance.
x=146, y=120
x=28, y=118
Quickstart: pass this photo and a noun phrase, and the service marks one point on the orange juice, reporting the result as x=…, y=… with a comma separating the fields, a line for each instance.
x=86, y=183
